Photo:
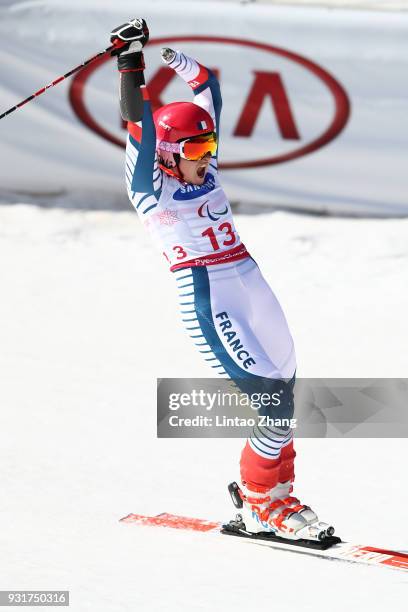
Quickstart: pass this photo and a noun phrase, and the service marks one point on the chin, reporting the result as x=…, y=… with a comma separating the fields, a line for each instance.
x=198, y=180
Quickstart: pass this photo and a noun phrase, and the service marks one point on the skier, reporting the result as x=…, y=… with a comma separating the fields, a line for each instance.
x=172, y=181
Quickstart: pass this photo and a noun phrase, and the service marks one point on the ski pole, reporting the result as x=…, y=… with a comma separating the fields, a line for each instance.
x=117, y=44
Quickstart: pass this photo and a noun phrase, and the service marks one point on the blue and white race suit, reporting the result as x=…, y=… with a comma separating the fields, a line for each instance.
x=228, y=309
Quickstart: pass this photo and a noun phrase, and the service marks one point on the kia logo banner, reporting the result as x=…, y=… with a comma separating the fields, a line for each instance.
x=286, y=123
x=313, y=102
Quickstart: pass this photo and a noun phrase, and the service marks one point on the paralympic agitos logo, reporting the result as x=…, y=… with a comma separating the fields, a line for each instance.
x=205, y=211
x=279, y=106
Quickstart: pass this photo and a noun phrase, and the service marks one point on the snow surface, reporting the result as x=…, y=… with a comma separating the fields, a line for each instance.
x=87, y=324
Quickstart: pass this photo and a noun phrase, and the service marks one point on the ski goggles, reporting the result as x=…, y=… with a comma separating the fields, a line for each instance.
x=193, y=148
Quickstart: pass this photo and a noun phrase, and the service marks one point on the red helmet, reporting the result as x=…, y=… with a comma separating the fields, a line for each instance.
x=175, y=122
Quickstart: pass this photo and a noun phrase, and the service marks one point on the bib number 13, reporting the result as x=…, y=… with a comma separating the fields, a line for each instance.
x=226, y=229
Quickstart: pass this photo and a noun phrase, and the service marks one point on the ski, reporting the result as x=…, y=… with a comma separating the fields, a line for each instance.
x=332, y=548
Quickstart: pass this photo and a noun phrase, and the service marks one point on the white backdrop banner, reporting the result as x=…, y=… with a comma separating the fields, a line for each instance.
x=314, y=113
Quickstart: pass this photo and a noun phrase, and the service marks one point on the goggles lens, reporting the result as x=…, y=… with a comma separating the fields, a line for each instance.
x=195, y=148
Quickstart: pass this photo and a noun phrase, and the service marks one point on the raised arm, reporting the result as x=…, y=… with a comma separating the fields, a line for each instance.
x=200, y=79
x=143, y=176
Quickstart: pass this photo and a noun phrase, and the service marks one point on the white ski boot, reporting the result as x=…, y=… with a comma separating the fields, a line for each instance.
x=276, y=512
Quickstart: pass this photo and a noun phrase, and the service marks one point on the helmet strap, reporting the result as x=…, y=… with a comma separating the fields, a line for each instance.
x=173, y=174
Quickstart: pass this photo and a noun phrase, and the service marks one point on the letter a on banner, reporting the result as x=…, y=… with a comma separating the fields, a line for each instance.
x=267, y=84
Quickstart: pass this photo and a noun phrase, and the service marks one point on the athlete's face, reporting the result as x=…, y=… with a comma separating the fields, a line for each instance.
x=194, y=171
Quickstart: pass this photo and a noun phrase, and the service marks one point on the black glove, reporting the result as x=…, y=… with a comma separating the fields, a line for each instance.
x=129, y=39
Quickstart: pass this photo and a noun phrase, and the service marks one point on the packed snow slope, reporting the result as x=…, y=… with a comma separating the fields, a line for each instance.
x=88, y=321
